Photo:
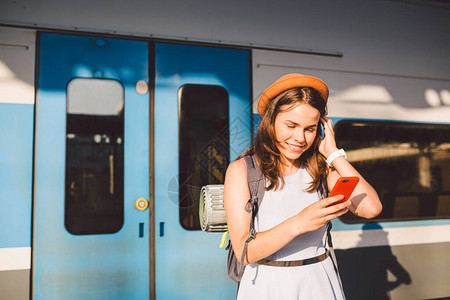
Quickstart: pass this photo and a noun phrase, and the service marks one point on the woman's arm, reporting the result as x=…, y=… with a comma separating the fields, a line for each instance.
x=236, y=195
x=364, y=199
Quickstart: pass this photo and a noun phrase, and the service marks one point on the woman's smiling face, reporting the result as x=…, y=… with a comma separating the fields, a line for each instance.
x=295, y=130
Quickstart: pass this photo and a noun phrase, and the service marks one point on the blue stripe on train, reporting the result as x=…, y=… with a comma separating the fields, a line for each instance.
x=16, y=158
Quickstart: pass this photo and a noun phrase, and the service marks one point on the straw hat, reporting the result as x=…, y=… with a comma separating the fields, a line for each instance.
x=290, y=81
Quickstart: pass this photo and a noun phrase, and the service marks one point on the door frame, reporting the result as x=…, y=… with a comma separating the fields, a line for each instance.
x=151, y=167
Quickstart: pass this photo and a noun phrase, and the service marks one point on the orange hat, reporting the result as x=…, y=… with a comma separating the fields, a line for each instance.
x=290, y=81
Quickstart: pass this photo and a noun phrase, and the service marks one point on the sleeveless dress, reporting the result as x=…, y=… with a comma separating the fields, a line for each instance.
x=315, y=281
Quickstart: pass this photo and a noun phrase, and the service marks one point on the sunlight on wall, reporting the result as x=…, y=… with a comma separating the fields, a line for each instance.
x=12, y=89
x=363, y=93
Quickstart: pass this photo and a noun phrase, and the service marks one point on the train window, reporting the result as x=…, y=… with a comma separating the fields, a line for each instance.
x=407, y=163
x=94, y=156
x=203, y=145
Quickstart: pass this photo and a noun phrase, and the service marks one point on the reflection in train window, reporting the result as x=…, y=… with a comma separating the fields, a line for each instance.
x=94, y=156
x=203, y=145
x=407, y=163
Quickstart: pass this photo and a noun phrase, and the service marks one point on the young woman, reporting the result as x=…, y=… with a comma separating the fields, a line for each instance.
x=290, y=222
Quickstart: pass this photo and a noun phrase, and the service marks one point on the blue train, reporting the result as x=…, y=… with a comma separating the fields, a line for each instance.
x=106, y=140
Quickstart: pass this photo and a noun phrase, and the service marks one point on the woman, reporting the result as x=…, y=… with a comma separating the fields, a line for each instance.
x=291, y=220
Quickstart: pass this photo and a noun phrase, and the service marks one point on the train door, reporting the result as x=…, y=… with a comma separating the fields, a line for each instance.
x=91, y=192
x=202, y=121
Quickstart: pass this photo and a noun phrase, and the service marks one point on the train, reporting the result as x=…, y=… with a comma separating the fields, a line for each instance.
x=114, y=114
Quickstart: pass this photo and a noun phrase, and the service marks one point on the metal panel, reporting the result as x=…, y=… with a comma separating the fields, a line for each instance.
x=390, y=36
x=17, y=55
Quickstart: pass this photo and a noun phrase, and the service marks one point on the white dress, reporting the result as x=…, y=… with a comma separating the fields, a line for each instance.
x=315, y=281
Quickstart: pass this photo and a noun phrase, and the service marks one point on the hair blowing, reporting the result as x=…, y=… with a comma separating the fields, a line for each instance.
x=264, y=146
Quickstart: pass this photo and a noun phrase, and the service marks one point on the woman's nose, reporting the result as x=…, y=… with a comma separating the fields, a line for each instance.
x=299, y=135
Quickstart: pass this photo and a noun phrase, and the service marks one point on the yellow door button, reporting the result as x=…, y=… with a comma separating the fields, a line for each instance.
x=141, y=204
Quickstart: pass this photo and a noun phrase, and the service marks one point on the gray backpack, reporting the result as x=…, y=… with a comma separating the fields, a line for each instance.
x=256, y=185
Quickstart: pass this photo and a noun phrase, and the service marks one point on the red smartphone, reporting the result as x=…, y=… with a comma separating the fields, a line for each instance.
x=344, y=186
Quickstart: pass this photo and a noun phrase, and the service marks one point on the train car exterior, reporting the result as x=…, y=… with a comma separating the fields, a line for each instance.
x=107, y=133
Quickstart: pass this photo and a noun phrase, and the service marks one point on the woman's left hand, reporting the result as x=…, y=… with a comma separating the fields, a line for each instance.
x=364, y=199
x=327, y=145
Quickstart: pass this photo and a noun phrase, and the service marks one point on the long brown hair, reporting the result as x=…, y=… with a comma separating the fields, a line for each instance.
x=264, y=146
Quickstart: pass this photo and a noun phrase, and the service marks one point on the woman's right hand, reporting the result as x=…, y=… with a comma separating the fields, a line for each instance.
x=320, y=213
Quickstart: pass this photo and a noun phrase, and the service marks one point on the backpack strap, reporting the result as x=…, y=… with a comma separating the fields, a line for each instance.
x=323, y=193
x=333, y=256
x=255, y=179
x=323, y=187
x=256, y=185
